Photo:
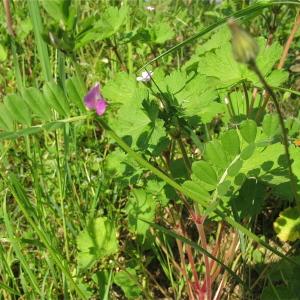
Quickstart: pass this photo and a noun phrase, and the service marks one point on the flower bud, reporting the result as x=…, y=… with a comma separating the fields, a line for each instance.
x=244, y=47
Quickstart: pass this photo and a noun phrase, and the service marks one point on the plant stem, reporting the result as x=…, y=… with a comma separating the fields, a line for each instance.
x=185, y=157
x=270, y=91
x=246, y=98
x=118, y=56
x=231, y=105
x=288, y=42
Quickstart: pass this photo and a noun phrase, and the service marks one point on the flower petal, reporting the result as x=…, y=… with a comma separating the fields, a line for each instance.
x=146, y=76
x=92, y=96
x=101, y=107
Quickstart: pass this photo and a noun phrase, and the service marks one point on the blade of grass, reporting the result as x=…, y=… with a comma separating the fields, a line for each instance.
x=189, y=194
x=33, y=6
x=286, y=90
x=9, y=289
x=7, y=274
x=23, y=203
x=16, y=246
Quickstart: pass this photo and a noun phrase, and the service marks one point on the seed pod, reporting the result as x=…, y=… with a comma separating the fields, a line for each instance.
x=244, y=47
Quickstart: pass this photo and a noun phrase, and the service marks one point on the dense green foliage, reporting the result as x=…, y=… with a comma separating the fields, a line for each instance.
x=187, y=186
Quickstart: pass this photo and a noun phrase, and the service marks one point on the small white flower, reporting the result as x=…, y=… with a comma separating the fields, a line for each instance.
x=150, y=8
x=146, y=76
x=226, y=100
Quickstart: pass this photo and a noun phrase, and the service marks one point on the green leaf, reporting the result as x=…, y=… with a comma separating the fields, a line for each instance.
x=56, y=98
x=248, y=130
x=110, y=22
x=3, y=53
x=217, y=40
x=140, y=205
x=161, y=32
x=197, y=190
x=223, y=187
x=195, y=95
x=114, y=163
x=140, y=124
x=268, y=56
x=37, y=103
x=204, y=172
x=270, y=124
x=156, y=188
x=127, y=280
x=267, y=164
x=248, y=151
x=97, y=240
x=121, y=89
x=18, y=109
x=216, y=155
x=174, y=82
x=286, y=273
x=76, y=92
x=234, y=169
x=222, y=65
x=57, y=9
x=120, y=166
x=278, y=77
x=250, y=199
x=231, y=142
x=287, y=225
x=6, y=120
x=278, y=291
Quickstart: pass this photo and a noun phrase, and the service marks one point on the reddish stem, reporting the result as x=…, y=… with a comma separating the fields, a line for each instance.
x=289, y=42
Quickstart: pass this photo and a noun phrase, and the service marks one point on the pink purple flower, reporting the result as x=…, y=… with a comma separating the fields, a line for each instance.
x=93, y=100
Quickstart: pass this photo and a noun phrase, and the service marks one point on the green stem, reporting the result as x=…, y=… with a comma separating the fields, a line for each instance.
x=231, y=105
x=34, y=10
x=185, y=157
x=246, y=98
x=270, y=91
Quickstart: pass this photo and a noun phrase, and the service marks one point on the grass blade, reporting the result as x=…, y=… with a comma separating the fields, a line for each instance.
x=23, y=204
x=42, y=49
x=16, y=246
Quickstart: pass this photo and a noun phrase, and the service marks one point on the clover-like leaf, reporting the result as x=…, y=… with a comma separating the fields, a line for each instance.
x=127, y=280
x=141, y=205
x=287, y=225
x=96, y=241
x=248, y=129
x=271, y=124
